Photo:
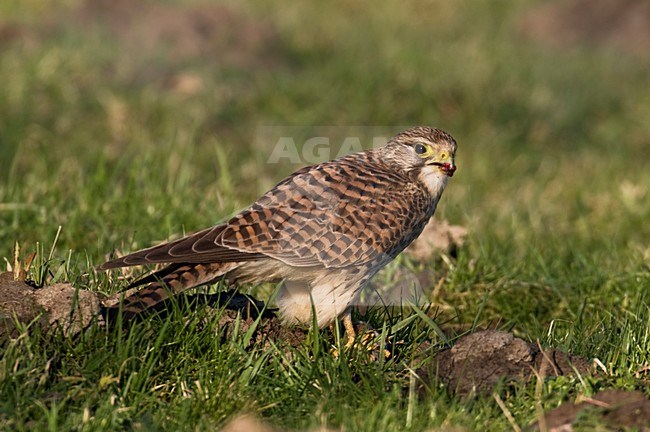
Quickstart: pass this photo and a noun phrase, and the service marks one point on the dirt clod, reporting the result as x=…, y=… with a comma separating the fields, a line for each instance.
x=57, y=306
x=479, y=361
x=618, y=409
x=67, y=307
x=269, y=328
x=438, y=236
x=17, y=303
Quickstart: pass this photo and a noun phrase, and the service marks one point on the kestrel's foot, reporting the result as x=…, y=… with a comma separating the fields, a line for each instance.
x=350, y=332
x=367, y=337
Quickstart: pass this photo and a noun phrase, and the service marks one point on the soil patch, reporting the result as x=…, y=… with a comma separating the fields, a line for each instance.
x=480, y=361
x=56, y=306
x=620, y=24
x=439, y=236
x=160, y=42
x=215, y=31
x=617, y=409
x=241, y=312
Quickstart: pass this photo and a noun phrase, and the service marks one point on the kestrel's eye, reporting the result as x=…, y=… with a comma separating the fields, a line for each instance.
x=420, y=149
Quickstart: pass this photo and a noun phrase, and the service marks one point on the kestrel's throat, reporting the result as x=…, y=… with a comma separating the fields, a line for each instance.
x=434, y=182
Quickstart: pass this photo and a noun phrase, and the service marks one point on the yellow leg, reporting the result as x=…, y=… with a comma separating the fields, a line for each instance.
x=349, y=329
x=366, y=340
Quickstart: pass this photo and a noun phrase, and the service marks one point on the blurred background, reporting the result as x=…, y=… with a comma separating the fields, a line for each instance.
x=124, y=123
x=128, y=122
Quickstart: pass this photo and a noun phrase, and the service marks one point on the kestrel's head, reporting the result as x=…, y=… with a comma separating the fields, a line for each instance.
x=421, y=148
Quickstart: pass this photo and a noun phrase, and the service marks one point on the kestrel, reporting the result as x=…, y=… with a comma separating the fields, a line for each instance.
x=324, y=231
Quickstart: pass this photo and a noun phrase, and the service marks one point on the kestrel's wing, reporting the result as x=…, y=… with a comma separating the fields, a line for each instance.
x=334, y=214
x=181, y=251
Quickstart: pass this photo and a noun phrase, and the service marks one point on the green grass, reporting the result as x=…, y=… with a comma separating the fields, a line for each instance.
x=552, y=186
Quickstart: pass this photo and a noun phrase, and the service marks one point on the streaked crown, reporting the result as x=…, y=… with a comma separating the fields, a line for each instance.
x=422, y=146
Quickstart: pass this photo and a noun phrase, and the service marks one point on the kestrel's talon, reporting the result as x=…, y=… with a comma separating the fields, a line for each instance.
x=350, y=332
x=325, y=230
x=365, y=336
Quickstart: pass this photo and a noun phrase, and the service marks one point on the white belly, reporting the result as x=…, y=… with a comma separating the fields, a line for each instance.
x=330, y=295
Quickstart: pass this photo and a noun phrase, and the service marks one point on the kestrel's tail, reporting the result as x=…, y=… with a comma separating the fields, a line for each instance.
x=194, y=260
x=166, y=283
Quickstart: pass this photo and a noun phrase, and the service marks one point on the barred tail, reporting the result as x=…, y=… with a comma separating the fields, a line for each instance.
x=166, y=283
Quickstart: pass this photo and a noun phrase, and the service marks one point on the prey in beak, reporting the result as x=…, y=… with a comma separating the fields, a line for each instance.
x=448, y=168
